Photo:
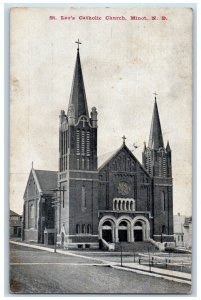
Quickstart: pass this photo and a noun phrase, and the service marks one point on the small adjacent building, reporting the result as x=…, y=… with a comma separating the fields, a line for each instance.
x=15, y=224
x=188, y=232
x=38, y=211
x=183, y=231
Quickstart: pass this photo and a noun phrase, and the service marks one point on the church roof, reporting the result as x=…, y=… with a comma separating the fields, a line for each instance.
x=155, y=137
x=47, y=180
x=103, y=160
x=78, y=96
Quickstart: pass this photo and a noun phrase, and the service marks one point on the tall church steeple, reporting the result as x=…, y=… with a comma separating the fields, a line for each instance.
x=155, y=137
x=78, y=175
x=78, y=102
x=78, y=131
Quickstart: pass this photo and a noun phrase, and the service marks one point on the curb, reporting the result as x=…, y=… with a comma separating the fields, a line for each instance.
x=151, y=274
x=111, y=264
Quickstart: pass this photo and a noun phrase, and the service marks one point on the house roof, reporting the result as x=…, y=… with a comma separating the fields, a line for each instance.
x=188, y=220
x=12, y=213
x=14, y=222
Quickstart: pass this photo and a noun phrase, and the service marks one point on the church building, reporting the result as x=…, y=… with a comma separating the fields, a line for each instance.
x=118, y=200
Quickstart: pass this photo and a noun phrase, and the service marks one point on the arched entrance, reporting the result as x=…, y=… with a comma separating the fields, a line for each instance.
x=138, y=231
x=123, y=231
x=107, y=231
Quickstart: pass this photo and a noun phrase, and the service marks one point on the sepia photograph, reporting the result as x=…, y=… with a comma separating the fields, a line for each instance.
x=100, y=170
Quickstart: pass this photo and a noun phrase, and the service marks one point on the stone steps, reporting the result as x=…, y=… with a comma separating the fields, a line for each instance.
x=135, y=246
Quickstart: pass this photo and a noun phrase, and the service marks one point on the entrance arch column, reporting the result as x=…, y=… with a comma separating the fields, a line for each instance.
x=129, y=233
x=116, y=235
x=132, y=233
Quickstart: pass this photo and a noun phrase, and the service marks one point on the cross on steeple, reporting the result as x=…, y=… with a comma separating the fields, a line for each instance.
x=124, y=139
x=78, y=44
x=155, y=95
x=83, y=122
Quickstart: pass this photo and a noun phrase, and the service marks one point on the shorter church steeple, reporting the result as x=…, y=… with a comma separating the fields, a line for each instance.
x=155, y=137
x=157, y=159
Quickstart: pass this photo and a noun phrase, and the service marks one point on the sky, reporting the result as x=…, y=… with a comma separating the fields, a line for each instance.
x=123, y=62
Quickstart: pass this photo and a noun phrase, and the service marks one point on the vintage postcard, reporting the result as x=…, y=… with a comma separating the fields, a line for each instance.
x=101, y=150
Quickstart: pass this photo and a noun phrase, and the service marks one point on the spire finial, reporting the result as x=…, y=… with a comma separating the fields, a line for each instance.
x=155, y=95
x=124, y=139
x=32, y=164
x=78, y=44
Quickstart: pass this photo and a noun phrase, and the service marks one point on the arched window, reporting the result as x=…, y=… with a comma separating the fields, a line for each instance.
x=83, y=197
x=115, y=205
x=163, y=200
x=128, y=164
x=88, y=228
x=83, y=163
x=138, y=223
x=107, y=223
x=87, y=162
x=83, y=143
x=127, y=205
x=123, y=223
x=83, y=228
x=78, y=142
x=32, y=211
x=88, y=144
x=163, y=229
x=78, y=163
x=124, y=205
x=119, y=205
x=77, y=228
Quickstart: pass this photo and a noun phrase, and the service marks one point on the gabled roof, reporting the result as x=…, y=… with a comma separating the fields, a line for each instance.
x=45, y=180
x=188, y=220
x=105, y=158
x=12, y=213
x=115, y=153
x=15, y=222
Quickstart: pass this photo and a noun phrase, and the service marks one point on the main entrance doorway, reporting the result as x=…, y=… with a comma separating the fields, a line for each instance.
x=138, y=232
x=122, y=232
x=138, y=235
x=107, y=231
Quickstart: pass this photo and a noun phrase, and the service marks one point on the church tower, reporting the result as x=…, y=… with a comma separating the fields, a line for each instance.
x=77, y=178
x=157, y=161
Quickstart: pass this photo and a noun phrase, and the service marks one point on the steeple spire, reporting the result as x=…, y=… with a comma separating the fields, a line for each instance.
x=78, y=102
x=155, y=137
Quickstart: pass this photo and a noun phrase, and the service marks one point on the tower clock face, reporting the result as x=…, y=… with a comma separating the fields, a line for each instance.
x=123, y=188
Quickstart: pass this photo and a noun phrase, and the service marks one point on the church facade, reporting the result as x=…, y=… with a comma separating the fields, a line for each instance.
x=121, y=200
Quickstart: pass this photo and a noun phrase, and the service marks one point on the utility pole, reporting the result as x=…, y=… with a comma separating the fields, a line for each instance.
x=121, y=254
x=56, y=203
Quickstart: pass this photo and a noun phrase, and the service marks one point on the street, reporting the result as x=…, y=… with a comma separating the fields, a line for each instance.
x=40, y=272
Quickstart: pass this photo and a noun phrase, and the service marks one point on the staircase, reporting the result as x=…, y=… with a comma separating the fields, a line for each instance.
x=136, y=247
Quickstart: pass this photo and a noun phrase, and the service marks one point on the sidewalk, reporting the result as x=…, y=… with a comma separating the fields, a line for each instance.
x=131, y=267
